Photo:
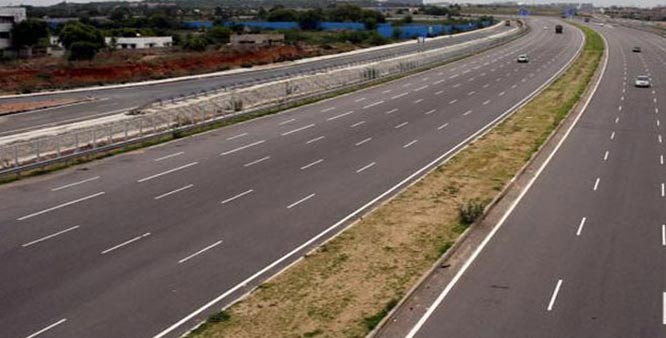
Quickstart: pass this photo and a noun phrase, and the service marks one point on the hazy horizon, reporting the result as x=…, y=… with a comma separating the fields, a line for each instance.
x=637, y=3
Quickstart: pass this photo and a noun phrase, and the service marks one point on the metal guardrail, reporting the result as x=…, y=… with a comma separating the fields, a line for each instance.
x=164, y=118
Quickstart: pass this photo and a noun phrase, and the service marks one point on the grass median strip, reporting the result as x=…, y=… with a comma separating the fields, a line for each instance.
x=345, y=287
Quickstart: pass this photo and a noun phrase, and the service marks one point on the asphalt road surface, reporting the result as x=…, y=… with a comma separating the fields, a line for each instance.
x=582, y=254
x=113, y=101
x=138, y=245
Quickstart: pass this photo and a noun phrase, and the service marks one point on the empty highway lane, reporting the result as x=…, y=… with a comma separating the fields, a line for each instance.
x=582, y=254
x=147, y=243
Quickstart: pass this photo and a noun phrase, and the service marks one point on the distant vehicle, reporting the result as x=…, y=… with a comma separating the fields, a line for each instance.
x=587, y=19
x=507, y=23
x=558, y=29
x=642, y=81
x=522, y=58
x=545, y=27
x=636, y=49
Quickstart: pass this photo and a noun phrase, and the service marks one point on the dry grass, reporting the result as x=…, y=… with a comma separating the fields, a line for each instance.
x=348, y=285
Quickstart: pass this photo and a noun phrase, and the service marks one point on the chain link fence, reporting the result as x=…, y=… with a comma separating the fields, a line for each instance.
x=171, y=116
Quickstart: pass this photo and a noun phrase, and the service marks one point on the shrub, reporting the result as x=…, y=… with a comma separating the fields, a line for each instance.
x=221, y=316
x=82, y=50
x=195, y=44
x=471, y=211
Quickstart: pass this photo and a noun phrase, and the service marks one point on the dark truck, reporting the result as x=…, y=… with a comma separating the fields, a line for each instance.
x=558, y=29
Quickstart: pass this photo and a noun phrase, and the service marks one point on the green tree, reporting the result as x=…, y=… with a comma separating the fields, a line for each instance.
x=282, y=14
x=75, y=31
x=82, y=50
x=120, y=14
x=82, y=41
x=28, y=33
x=195, y=44
x=309, y=20
x=218, y=34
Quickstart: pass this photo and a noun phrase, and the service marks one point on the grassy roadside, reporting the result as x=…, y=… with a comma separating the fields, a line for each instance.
x=349, y=284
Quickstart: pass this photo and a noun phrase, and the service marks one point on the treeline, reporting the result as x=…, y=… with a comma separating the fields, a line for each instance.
x=310, y=19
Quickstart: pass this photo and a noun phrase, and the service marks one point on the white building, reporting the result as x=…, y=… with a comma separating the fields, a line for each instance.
x=143, y=42
x=9, y=16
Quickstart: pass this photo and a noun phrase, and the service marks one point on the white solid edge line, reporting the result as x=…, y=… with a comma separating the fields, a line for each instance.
x=362, y=208
x=174, y=192
x=301, y=201
x=491, y=234
x=75, y=183
x=554, y=296
x=125, y=243
x=199, y=252
x=145, y=179
x=49, y=236
x=61, y=206
x=237, y=196
x=47, y=328
x=168, y=156
x=242, y=147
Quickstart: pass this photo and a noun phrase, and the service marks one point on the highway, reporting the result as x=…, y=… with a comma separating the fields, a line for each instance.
x=114, y=101
x=148, y=243
x=581, y=253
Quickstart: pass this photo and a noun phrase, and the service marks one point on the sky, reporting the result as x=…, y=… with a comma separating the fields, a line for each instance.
x=641, y=3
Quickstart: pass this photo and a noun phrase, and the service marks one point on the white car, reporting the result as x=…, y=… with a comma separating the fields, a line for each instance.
x=642, y=81
x=523, y=58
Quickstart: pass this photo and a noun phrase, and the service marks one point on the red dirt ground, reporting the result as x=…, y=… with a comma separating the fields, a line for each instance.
x=33, y=76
